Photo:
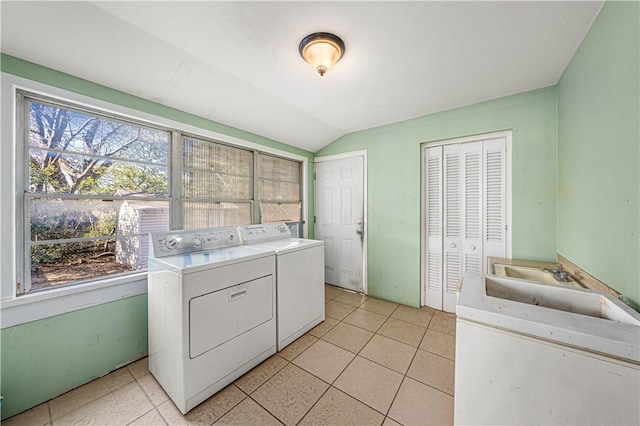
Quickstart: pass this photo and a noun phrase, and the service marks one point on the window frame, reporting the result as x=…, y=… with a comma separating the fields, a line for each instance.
x=179, y=170
x=258, y=201
x=62, y=299
x=23, y=102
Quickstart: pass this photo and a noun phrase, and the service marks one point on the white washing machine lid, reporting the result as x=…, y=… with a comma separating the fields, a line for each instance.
x=288, y=245
x=201, y=260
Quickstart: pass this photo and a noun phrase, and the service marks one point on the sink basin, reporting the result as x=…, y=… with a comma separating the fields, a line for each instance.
x=583, y=303
x=576, y=317
x=531, y=274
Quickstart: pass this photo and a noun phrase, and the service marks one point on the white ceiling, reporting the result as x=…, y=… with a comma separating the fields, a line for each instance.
x=238, y=63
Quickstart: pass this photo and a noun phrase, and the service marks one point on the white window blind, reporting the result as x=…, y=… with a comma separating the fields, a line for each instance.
x=216, y=184
x=279, y=189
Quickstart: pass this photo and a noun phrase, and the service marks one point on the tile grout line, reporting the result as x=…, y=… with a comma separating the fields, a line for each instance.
x=339, y=374
x=246, y=395
x=86, y=403
x=49, y=411
x=405, y=375
x=155, y=407
x=356, y=355
x=256, y=389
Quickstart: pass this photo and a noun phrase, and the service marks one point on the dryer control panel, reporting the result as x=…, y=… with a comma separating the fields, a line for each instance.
x=251, y=234
x=170, y=243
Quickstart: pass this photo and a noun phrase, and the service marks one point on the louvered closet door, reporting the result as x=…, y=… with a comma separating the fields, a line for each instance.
x=495, y=177
x=465, y=192
x=453, y=224
x=433, y=226
x=472, y=206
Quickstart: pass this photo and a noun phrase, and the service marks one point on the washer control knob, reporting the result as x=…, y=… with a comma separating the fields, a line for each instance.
x=171, y=243
x=282, y=228
x=197, y=242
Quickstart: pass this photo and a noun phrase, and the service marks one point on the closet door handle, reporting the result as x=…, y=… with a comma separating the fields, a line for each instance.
x=453, y=245
x=472, y=247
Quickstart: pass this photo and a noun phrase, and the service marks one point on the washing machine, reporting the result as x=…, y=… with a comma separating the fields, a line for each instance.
x=299, y=278
x=212, y=311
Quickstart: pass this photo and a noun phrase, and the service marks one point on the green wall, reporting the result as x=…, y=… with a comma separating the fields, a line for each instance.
x=598, y=151
x=42, y=359
x=393, y=153
x=45, y=358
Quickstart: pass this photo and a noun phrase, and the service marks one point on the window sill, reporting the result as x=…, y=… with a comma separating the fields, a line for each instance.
x=48, y=303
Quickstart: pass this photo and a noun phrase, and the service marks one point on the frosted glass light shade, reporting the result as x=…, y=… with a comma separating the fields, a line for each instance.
x=321, y=51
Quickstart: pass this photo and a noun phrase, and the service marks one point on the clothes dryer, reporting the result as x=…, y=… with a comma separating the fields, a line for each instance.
x=299, y=278
x=212, y=311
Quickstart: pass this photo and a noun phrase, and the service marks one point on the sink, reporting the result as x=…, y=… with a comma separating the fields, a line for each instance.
x=531, y=274
x=530, y=353
x=576, y=317
x=583, y=303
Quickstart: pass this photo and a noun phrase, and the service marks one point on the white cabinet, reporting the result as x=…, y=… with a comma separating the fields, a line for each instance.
x=465, y=209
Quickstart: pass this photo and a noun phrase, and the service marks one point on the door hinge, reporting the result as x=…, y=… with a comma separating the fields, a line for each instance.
x=314, y=175
x=314, y=219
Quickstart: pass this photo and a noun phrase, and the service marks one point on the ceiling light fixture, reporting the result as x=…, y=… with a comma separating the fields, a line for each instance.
x=321, y=51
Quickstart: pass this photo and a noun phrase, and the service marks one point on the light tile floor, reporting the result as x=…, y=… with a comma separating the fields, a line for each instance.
x=371, y=362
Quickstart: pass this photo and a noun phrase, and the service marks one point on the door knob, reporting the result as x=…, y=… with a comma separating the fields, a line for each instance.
x=453, y=245
x=359, y=231
x=472, y=247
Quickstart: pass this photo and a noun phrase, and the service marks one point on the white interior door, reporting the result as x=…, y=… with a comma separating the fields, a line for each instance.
x=466, y=210
x=340, y=218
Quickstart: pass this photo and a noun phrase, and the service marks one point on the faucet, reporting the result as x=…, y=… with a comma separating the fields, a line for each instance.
x=559, y=274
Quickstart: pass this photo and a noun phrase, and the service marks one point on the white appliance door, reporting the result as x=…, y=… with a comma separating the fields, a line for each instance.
x=223, y=315
x=340, y=220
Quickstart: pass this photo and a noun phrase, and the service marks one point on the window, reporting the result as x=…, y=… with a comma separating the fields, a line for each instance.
x=216, y=184
x=279, y=189
x=95, y=185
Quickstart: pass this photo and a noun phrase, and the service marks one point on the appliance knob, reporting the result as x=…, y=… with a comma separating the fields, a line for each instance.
x=171, y=243
x=197, y=242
